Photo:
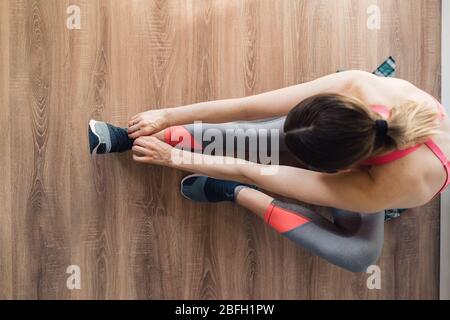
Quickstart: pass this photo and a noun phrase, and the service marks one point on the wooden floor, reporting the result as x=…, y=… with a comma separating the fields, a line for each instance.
x=125, y=224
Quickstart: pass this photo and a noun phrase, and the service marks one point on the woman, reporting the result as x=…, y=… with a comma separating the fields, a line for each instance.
x=373, y=143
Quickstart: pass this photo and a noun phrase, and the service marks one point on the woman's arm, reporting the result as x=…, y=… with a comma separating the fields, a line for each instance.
x=351, y=190
x=265, y=105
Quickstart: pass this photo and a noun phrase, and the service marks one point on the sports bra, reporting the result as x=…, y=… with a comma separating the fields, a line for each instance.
x=397, y=154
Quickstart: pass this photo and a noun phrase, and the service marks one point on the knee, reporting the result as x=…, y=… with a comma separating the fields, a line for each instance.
x=362, y=256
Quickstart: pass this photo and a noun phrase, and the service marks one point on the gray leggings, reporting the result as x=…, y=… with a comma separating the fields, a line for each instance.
x=351, y=240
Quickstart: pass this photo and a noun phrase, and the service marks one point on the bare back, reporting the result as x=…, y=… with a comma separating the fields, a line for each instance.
x=417, y=177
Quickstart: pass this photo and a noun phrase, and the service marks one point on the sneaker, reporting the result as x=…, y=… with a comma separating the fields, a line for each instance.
x=201, y=188
x=106, y=138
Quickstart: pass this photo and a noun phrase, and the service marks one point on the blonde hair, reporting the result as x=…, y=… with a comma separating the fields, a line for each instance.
x=411, y=123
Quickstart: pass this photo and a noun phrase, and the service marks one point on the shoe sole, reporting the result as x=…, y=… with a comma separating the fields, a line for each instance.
x=92, y=127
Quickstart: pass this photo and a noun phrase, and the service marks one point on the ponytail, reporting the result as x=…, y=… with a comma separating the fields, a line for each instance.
x=412, y=123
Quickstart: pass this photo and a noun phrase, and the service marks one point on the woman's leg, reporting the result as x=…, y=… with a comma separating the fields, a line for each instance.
x=258, y=141
x=352, y=241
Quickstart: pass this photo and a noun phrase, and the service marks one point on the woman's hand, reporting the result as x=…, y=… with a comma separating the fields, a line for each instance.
x=152, y=150
x=148, y=123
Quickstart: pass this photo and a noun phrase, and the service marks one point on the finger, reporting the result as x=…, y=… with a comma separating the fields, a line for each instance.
x=140, y=159
x=155, y=141
x=136, y=134
x=134, y=120
x=140, y=150
x=140, y=142
x=135, y=116
x=133, y=128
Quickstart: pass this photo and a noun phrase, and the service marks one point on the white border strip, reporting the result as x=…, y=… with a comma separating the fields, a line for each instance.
x=444, y=279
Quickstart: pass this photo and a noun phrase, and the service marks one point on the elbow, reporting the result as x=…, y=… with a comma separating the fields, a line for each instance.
x=372, y=200
x=371, y=209
x=361, y=204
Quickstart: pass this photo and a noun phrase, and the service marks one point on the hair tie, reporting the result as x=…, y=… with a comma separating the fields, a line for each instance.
x=381, y=127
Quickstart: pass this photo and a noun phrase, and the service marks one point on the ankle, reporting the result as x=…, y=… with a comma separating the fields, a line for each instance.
x=238, y=189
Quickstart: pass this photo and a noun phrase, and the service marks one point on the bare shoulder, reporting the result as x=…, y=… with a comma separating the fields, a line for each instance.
x=374, y=89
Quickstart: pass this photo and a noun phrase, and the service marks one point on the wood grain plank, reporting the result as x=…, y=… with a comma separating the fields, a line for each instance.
x=6, y=244
x=125, y=224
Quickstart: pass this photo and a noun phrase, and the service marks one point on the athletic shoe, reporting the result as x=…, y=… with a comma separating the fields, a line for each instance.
x=106, y=138
x=201, y=188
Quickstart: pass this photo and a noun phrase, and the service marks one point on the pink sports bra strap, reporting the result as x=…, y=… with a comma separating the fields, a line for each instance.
x=441, y=156
x=392, y=156
x=436, y=150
